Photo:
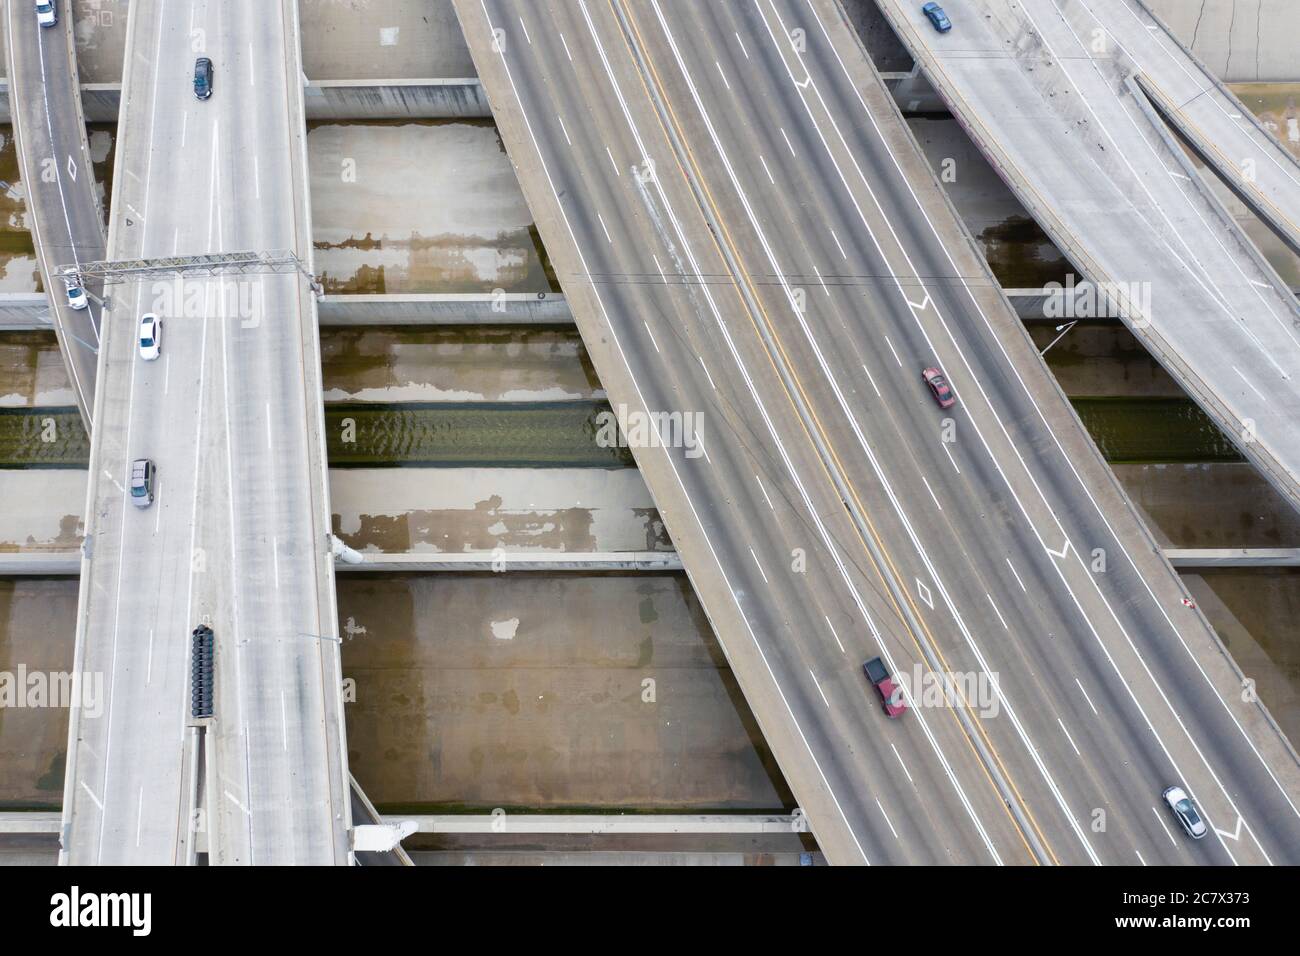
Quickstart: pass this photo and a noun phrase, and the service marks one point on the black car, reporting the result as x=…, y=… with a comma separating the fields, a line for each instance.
x=203, y=77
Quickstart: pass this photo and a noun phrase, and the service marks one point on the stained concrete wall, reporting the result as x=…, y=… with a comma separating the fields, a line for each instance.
x=396, y=99
x=433, y=309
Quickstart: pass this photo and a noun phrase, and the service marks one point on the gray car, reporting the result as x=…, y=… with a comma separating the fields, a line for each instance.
x=142, y=480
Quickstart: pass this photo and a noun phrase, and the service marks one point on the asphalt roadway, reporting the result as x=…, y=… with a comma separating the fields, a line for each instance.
x=785, y=265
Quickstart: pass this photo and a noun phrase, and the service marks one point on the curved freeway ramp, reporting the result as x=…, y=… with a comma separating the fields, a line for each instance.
x=54, y=161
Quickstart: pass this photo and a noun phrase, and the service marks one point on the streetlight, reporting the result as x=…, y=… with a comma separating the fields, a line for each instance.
x=1063, y=329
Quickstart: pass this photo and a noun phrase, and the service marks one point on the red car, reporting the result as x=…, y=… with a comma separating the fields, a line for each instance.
x=939, y=387
x=891, y=695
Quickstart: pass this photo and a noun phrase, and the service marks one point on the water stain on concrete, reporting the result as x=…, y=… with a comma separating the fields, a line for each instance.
x=427, y=206
x=1021, y=255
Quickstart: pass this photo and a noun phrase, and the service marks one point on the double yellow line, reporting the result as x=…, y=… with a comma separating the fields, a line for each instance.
x=839, y=466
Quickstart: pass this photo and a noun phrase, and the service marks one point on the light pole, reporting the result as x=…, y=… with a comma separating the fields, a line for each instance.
x=1063, y=329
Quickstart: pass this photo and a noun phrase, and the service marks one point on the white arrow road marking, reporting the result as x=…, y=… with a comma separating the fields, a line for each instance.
x=920, y=306
x=1235, y=834
x=1065, y=549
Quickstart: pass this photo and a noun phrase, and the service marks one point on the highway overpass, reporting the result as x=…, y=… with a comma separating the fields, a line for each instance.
x=54, y=162
x=231, y=414
x=744, y=228
x=1052, y=91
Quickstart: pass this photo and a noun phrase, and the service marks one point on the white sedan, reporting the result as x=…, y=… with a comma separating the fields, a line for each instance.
x=150, y=337
x=46, y=15
x=77, y=297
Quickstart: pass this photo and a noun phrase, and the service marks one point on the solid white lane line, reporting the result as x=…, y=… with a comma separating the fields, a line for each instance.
x=764, y=490
x=833, y=634
x=1068, y=737
x=1086, y=697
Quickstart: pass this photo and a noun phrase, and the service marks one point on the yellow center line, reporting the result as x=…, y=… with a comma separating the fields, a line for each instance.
x=745, y=277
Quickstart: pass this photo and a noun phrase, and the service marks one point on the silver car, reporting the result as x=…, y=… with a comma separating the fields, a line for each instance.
x=142, y=480
x=1180, y=804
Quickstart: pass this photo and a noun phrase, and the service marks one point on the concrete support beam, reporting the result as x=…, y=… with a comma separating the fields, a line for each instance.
x=461, y=98
x=599, y=823
x=24, y=823
x=331, y=100
x=1233, y=557
x=583, y=562
x=507, y=308
x=68, y=563
x=25, y=312
x=15, y=564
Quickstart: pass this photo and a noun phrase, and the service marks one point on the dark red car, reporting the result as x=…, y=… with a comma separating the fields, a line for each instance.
x=939, y=387
x=891, y=695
